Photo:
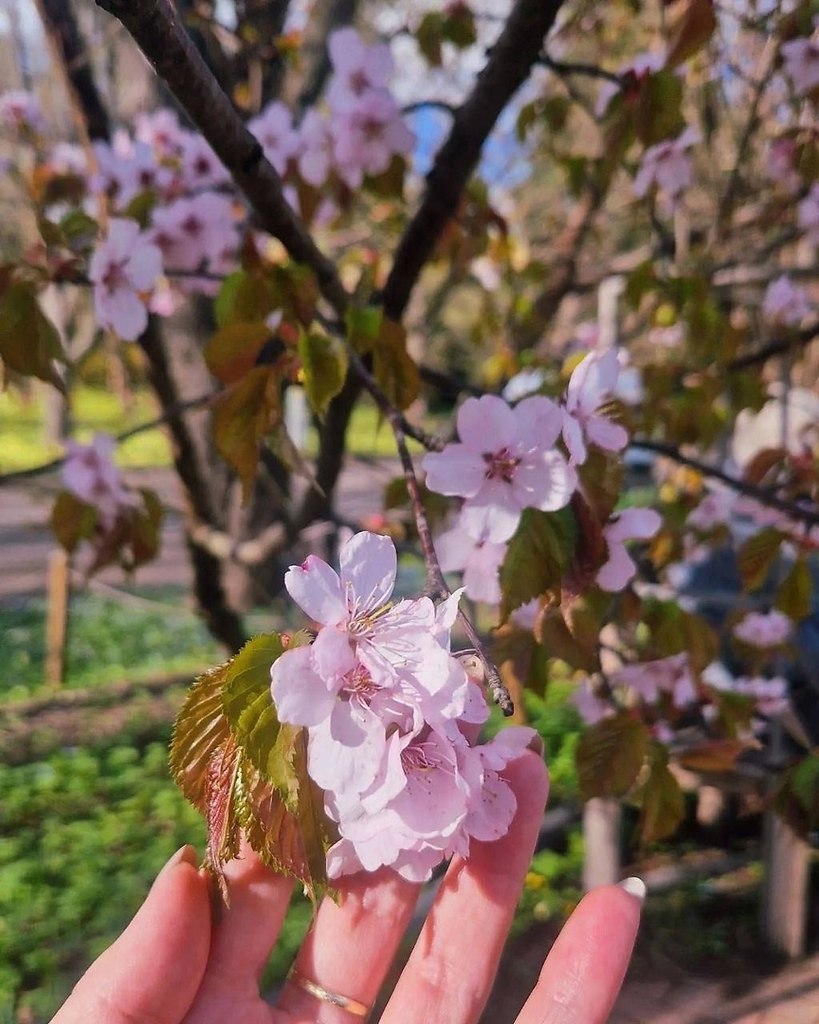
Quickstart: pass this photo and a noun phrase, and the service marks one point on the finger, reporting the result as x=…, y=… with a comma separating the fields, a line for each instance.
x=152, y=971
x=242, y=940
x=586, y=966
x=452, y=968
x=350, y=947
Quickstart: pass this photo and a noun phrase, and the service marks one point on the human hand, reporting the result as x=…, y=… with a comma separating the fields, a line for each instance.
x=171, y=966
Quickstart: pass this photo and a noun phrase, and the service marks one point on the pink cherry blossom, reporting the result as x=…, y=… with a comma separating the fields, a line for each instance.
x=807, y=214
x=771, y=695
x=367, y=135
x=764, y=629
x=315, y=151
x=591, y=708
x=21, y=110
x=651, y=679
x=194, y=231
x=358, y=68
x=505, y=462
x=201, y=167
x=124, y=265
x=667, y=165
x=479, y=561
x=274, y=130
x=785, y=302
x=125, y=169
x=714, y=510
x=356, y=604
x=630, y=524
x=160, y=129
x=592, y=380
x=780, y=163
x=801, y=60
x=89, y=474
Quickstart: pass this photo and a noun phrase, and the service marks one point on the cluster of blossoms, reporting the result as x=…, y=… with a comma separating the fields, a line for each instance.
x=764, y=629
x=507, y=459
x=174, y=224
x=801, y=61
x=391, y=716
x=667, y=167
x=89, y=473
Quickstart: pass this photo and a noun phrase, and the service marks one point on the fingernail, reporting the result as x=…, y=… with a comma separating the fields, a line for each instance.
x=635, y=887
x=184, y=855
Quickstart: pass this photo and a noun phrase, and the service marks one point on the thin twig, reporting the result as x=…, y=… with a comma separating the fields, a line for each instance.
x=575, y=68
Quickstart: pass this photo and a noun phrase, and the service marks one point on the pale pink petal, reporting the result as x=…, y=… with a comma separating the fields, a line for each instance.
x=317, y=590
x=539, y=421
x=331, y=653
x=634, y=524
x=491, y=812
x=456, y=471
x=606, y=434
x=493, y=513
x=486, y=424
x=144, y=267
x=573, y=436
x=300, y=695
x=368, y=564
x=618, y=570
x=545, y=481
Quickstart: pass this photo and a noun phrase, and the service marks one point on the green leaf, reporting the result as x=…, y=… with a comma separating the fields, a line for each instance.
x=692, y=31
x=247, y=702
x=29, y=342
x=658, y=112
x=396, y=373
x=324, y=361
x=660, y=798
x=538, y=555
x=234, y=349
x=200, y=730
x=245, y=297
x=221, y=811
x=610, y=755
x=249, y=411
x=72, y=520
x=459, y=26
x=145, y=534
x=757, y=555
x=428, y=35
x=795, y=593
x=364, y=327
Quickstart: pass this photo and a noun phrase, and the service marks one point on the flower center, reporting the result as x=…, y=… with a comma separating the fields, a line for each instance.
x=500, y=465
x=358, y=686
x=114, y=277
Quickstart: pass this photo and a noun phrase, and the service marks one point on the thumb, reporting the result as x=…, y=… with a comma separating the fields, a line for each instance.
x=153, y=970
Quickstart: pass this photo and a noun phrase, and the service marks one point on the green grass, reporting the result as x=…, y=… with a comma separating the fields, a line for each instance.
x=107, y=642
x=94, y=409
x=83, y=833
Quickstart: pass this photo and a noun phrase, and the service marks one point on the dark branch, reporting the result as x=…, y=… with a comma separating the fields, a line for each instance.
x=155, y=26
x=573, y=68
x=775, y=347
x=764, y=496
x=514, y=54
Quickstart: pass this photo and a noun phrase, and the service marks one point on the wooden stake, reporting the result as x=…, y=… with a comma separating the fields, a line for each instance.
x=601, y=839
x=784, y=906
x=57, y=595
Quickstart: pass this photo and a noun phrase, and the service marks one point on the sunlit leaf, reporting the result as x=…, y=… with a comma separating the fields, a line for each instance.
x=795, y=594
x=201, y=728
x=393, y=368
x=658, y=111
x=660, y=798
x=249, y=411
x=29, y=342
x=756, y=557
x=247, y=701
x=324, y=361
x=692, y=31
x=537, y=557
x=610, y=755
x=72, y=520
x=234, y=349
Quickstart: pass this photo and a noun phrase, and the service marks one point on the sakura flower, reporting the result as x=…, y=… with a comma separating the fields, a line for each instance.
x=479, y=561
x=274, y=130
x=89, y=474
x=126, y=168
x=504, y=462
x=355, y=605
x=771, y=695
x=124, y=265
x=591, y=381
x=315, y=152
x=667, y=165
x=526, y=615
x=201, y=167
x=801, y=60
x=764, y=629
x=631, y=524
x=160, y=130
x=807, y=214
x=21, y=110
x=68, y=158
x=651, y=679
x=525, y=382
x=780, y=163
x=193, y=231
x=358, y=68
x=785, y=302
x=714, y=510
x=590, y=707
x=367, y=136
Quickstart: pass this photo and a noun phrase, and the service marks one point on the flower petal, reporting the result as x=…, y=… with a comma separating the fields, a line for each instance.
x=486, y=424
x=317, y=590
x=300, y=695
x=368, y=564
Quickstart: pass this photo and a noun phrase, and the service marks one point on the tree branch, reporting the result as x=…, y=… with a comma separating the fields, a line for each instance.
x=512, y=57
x=157, y=30
x=574, y=68
x=775, y=347
x=761, y=494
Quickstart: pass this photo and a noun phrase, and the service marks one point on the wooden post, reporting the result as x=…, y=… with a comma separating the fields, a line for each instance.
x=57, y=594
x=601, y=842
x=784, y=907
